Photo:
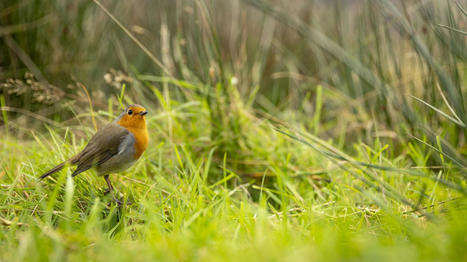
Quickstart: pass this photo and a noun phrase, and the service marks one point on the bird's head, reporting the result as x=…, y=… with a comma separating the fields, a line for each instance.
x=133, y=116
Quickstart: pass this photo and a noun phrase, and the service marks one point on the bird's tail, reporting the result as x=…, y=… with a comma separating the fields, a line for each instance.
x=53, y=170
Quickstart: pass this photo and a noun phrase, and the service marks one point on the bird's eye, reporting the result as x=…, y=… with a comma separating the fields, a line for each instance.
x=130, y=112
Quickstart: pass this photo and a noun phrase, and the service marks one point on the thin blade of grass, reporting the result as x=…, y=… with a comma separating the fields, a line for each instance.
x=456, y=121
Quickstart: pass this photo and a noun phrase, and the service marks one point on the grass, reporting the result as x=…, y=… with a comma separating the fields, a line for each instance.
x=275, y=134
x=282, y=201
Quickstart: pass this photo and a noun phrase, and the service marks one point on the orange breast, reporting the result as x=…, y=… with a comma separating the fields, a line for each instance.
x=142, y=139
x=136, y=124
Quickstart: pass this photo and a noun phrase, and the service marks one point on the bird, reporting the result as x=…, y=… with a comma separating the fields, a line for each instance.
x=113, y=148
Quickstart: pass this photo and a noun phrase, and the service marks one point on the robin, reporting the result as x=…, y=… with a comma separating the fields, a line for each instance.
x=114, y=148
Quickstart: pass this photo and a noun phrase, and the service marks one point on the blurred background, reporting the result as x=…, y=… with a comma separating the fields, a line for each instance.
x=379, y=71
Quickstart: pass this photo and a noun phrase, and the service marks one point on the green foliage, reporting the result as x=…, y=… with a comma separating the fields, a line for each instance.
x=191, y=206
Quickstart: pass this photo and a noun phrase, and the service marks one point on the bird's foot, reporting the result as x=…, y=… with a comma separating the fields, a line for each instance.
x=120, y=199
x=117, y=197
x=121, y=202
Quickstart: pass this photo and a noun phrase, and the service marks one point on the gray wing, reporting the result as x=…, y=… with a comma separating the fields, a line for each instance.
x=102, y=146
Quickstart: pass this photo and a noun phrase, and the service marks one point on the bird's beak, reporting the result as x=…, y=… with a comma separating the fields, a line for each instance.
x=143, y=113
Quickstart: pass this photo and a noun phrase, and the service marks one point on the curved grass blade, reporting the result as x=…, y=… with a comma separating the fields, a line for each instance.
x=456, y=121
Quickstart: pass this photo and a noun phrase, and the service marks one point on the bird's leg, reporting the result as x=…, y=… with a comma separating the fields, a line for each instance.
x=109, y=184
x=111, y=190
